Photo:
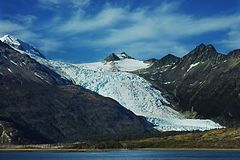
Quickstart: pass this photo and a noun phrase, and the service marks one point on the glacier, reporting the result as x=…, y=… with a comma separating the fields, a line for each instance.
x=113, y=79
x=132, y=92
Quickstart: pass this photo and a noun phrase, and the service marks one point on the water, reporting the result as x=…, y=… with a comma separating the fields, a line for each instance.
x=122, y=155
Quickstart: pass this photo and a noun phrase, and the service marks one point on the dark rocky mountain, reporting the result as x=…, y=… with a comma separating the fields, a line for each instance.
x=203, y=81
x=169, y=59
x=112, y=57
x=117, y=57
x=19, y=44
x=39, y=106
x=124, y=55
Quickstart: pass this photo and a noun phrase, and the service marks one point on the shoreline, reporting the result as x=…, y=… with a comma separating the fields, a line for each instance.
x=108, y=150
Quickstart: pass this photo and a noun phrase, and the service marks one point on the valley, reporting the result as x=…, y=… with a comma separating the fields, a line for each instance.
x=118, y=98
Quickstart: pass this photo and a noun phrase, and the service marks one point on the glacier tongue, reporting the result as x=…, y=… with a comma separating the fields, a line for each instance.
x=132, y=92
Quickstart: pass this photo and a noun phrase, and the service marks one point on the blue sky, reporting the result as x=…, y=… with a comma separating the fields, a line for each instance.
x=88, y=30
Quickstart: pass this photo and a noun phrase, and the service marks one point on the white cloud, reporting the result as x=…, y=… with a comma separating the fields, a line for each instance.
x=7, y=27
x=170, y=27
x=25, y=19
x=80, y=3
x=54, y=4
x=79, y=23
x=19, y=30
x=168, y=7
x=144, y=32
x=50, y=45
x=232, y=40
x=24, y=33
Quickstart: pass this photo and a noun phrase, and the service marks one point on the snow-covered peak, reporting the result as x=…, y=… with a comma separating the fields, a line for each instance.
x=124, y=55
x=117, y=57
x=11, y=40
x=127, y=65
x=19, y=45
x=117, y=62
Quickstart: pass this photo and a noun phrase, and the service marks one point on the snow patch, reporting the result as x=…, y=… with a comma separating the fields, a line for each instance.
x=35, y=73
x=192, y=65
x=13, y=62
x=167, y=82
x=174, y=67
x=9, y=70
x=121, y=65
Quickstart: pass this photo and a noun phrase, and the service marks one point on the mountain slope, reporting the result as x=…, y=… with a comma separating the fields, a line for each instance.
x=39, y=105
x=117, y=62
x=20, y=45
x=131, y=91
x=204, y=81
x=110, y=78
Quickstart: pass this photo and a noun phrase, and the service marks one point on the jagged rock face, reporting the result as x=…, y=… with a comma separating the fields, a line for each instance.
x=14, y=134
x=204, y=81
x=117, y=57
x=22, y=66
x=37, y=101
x=112, y=57
x=167, y=60
x=18, y=44
x=235, y=54
x=124, y=55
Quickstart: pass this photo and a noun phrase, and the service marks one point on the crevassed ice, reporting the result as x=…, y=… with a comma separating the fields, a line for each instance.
x=132, y=92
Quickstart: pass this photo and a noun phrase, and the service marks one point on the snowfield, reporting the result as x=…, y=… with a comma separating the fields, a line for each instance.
x=122, y=65
x=111, y=79
x=132, y=92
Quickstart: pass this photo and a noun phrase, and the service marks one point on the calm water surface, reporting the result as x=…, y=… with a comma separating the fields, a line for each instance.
x=122, y=155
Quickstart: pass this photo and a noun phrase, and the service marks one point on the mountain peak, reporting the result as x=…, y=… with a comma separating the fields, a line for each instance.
x=124, y=55
x=210, y=47
x=201, y=46
x=20, y=45
x=170, y=56
x=9, y=39
x=235, y=53
x=169, y=59
x=202, y=52
x=112, y=57
x=117, y=57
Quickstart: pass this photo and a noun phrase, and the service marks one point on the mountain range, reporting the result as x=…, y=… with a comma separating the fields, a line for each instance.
x=204, y=82
x=39, y=106
x=47, y=101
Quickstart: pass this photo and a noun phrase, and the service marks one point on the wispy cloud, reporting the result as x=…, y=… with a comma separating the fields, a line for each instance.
x=50, y=45
x=82, y=23
x=23, y=32
x=233, y=38
x=146, y=30
x=25, y=19
x=8, y=26
x=55, y=4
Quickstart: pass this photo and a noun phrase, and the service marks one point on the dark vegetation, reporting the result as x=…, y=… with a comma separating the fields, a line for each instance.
x=228, y=138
